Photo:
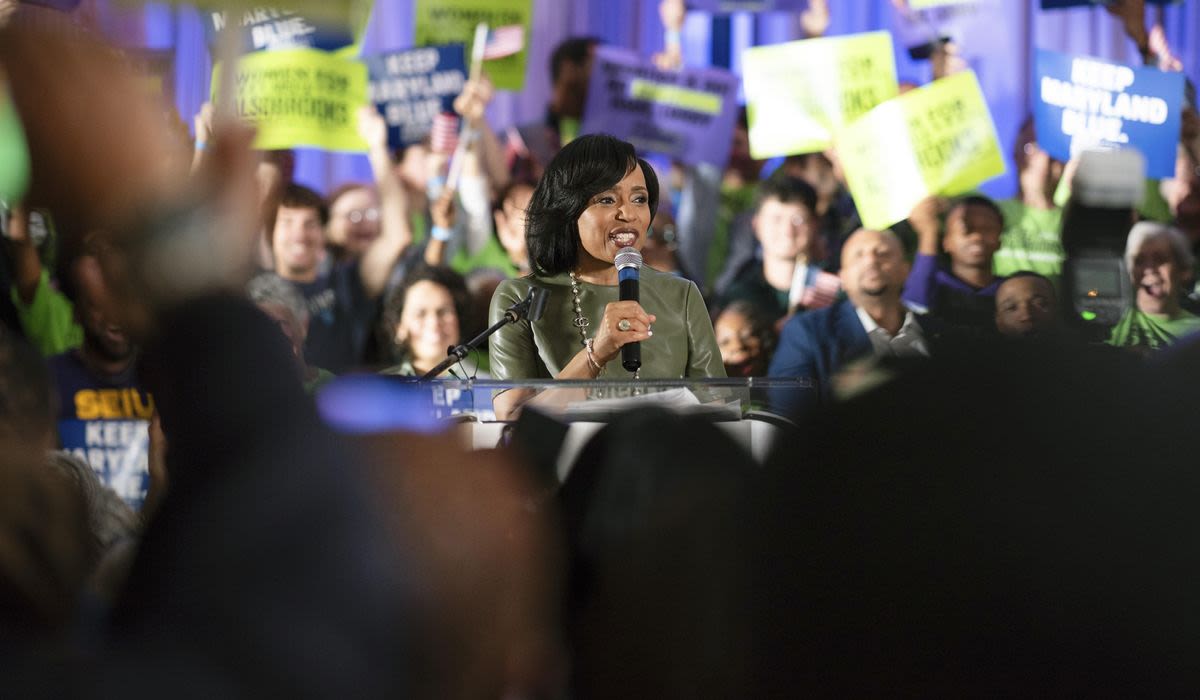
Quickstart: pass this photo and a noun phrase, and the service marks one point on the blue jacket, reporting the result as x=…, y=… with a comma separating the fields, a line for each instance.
x=816, y=344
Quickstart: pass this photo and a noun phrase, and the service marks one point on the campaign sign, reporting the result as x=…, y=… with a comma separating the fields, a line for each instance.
x=270, y=29
x=799, y=92
x=723, y=6
x=440, y=22
x=300, y=97
x=410, y=88
x=926, y=4
x=1084, y=102
x=1059, y=4
x=938, y=139
x=62, y=5
x=687, y=114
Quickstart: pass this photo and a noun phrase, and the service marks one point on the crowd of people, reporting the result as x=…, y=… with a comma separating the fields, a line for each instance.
x=175, y=514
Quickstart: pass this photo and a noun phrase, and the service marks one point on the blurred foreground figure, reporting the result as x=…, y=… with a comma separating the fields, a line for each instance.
x=658, y=594
x=988, y=524
x=267, y=569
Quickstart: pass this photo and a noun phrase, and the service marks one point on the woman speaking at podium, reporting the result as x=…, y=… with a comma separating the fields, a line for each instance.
x=595, y=199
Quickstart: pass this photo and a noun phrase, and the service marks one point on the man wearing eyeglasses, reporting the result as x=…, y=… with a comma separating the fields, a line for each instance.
x=789, y=275
x=353, y=221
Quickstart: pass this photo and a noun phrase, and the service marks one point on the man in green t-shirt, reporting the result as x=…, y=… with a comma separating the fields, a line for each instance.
x=1032, y=237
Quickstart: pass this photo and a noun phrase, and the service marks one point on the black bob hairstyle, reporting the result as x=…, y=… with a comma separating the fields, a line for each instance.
x=584, y=168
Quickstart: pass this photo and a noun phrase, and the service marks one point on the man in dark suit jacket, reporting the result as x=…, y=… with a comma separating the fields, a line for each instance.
x=871, y=320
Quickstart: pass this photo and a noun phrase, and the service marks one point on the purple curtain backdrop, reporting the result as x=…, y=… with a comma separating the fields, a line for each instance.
x=998, y=39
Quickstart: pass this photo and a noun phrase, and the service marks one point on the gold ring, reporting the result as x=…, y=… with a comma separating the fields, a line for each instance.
x=623, y=325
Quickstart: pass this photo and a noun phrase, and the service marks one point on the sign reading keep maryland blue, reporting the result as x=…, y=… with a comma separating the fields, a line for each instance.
x=268, y=29
x=410, y=88
x=1083, y=102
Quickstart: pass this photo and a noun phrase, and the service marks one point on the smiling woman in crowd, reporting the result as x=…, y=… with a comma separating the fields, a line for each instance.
x=423, y=318
x=1160, y=262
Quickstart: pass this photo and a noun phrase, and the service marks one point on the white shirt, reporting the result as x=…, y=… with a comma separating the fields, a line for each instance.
x=909, y=342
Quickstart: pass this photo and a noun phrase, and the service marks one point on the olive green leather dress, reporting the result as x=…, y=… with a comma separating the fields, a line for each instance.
x=683, y=344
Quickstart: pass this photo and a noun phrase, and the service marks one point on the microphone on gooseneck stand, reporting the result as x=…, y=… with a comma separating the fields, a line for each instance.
x=538, y=296
x=629, y=265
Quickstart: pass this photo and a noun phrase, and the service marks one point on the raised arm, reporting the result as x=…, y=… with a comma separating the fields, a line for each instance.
x=203, y=122
x=918, y=288
x=1132, y=14
x=395, y=231
x=442, y=214
x=472, y=105
x=671, y=12
x=814, y=21
x=27, y=266
x=46, y=315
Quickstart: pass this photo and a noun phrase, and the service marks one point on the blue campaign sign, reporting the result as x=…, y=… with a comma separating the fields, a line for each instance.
x=1083, y=102
x=268, y=29
x=411, y=87
x=748, y=5
x=1059, y=4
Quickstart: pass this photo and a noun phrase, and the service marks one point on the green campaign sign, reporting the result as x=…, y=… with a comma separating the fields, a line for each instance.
x=938, y=139
x=799, y=93
x=454, y=21
x=300, y=97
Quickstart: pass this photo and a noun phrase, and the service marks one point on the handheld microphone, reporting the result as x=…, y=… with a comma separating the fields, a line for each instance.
x=629, y=265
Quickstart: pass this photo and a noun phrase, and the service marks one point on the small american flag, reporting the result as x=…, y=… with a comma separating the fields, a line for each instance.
x=504, y=41
x=443, y=137
x=823, y=291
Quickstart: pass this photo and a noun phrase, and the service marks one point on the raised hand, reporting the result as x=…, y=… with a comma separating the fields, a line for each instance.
x=1132, y=14
x=814, y=21
x=925, y=219
x=672, y=12
x=472, y=102
x=372, y=128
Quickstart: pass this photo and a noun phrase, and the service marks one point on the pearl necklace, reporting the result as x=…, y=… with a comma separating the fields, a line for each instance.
x=582, y=322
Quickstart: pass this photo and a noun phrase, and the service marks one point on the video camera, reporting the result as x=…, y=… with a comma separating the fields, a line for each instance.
x=1106, y=189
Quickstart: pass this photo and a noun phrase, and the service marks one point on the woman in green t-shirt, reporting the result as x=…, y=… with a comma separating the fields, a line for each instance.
x=1160, y=265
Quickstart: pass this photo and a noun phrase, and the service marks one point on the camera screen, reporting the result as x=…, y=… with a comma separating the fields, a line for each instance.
x=1103, y=277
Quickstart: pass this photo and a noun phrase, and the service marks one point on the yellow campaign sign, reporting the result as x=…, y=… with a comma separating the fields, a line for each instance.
x=938, y=139
x=799, y=93
x=300, y=97
x=675, y=96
